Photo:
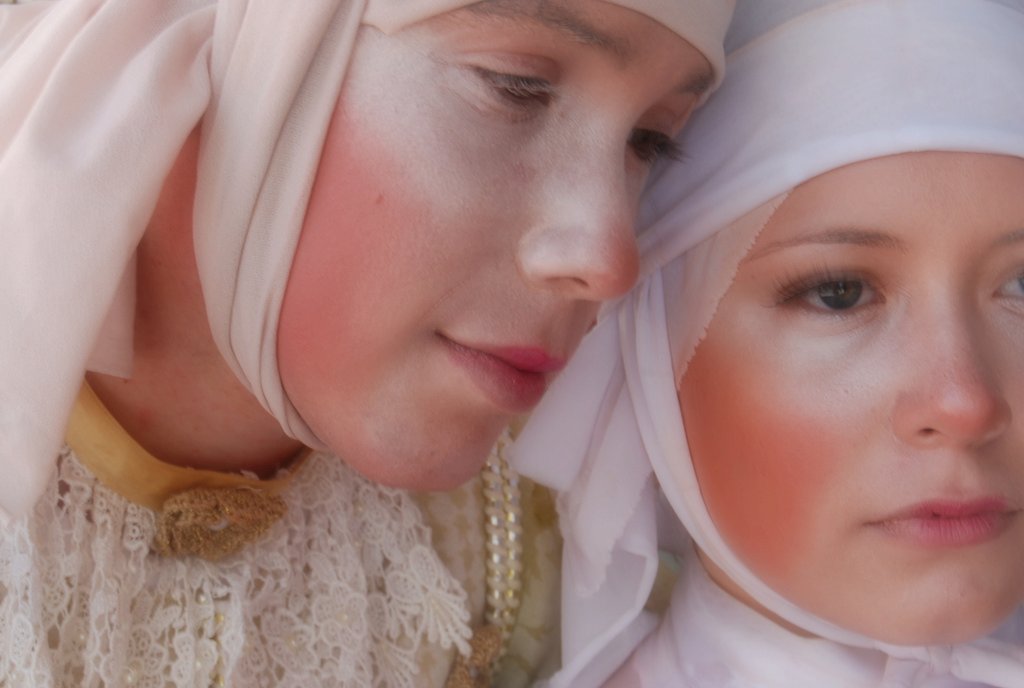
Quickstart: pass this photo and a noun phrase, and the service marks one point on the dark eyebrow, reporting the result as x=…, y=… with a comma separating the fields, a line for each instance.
x=843, y=235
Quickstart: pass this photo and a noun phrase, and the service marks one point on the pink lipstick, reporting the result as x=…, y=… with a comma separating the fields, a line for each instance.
x=514, y=378
x=527, y=359
x=950, y=523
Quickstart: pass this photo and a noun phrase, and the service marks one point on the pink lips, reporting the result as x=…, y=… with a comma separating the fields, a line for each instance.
x=514, y=378
x=950, y=523
x=527, y=359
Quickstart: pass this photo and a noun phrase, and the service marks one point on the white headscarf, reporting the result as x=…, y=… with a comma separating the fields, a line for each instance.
x=97, y=98
x=812, y=85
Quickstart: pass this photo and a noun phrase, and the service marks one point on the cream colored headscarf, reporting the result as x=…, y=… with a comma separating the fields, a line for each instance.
x=812, y=85
x=96, y=99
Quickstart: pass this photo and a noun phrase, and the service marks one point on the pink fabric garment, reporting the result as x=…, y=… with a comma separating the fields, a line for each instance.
x=812, y=85
x=63, y=137
x=91, y=127
x=96, y=100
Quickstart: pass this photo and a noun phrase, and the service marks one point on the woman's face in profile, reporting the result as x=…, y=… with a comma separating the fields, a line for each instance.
x=854, y=411
x=474, y=203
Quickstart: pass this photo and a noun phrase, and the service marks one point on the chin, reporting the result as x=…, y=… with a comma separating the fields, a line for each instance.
x=958, y=623
x=418, y=464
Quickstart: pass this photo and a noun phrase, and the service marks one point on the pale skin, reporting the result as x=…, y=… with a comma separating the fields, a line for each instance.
x=892, y=291
x=537, y=118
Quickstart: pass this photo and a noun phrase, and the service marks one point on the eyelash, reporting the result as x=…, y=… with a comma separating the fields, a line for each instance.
x=528, y=92
x=651, y=146
x=520, y=91
x=791, y=291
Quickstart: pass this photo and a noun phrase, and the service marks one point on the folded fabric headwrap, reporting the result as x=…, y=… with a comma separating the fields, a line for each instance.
x=97, y=98
x=812, y=85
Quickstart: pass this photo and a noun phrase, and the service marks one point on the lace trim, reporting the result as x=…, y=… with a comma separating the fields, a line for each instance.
x=342, y=591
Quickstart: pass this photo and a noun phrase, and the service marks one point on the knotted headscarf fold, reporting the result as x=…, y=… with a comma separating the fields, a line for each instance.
x=811, y=85
x=97, y=98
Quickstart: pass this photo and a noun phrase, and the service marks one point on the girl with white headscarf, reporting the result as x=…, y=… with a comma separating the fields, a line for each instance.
x=353, y=222
x=830, y=304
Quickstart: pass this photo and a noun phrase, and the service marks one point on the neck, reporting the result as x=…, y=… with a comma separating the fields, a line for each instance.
x=183, y=403
x=723, y=581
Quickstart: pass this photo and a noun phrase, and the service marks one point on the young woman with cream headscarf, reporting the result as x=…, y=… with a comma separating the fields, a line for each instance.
x=472, y=204
x=832, y=305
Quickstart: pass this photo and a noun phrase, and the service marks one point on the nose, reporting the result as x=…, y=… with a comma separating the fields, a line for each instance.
x=956, y=399
x=582, y=244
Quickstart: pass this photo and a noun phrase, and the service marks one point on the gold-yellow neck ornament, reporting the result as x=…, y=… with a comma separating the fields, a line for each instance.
x=204, y=513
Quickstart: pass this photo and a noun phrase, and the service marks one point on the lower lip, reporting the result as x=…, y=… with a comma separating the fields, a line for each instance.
x=511, y=389
x=953, y=531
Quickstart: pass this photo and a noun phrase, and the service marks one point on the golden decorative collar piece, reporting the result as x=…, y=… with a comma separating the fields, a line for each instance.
x=199, y=512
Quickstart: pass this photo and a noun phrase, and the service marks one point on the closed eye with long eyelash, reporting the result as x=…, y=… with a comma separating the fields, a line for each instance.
x=519, y=90
x=650, y=146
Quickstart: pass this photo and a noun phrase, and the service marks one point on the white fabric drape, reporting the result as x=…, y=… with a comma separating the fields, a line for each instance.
x=812, y=85
x=96, y=99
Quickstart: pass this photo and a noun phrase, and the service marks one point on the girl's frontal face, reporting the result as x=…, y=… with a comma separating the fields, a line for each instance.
x=474, y=203
x=853, y=412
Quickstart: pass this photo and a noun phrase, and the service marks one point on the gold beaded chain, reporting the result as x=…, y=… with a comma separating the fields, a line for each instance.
x=503, y=528
x=503, y=514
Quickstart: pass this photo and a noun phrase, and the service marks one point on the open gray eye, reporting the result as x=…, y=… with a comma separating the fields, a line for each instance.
x=840, y=295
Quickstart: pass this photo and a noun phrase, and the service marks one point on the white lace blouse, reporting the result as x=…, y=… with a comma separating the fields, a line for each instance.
x=344, y=590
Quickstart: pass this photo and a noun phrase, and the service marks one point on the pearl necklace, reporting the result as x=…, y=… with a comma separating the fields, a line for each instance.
x=503, y=513
x=503, y=516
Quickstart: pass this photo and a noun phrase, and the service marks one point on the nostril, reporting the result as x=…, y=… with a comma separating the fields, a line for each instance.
x=582, y=263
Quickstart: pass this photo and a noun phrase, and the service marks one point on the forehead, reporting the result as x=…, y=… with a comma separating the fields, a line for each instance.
x=901, y=200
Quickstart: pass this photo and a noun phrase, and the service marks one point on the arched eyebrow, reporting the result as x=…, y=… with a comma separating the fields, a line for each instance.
x=576, y=28
x=841, y=235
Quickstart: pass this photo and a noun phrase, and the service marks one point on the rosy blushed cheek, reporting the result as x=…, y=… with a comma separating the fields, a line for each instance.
x=375, y=198
x=351, y=231
x=762, y=462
